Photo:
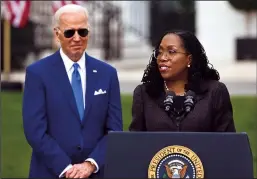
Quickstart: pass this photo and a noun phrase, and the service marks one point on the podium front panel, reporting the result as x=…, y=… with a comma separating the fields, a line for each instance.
x=170, y=154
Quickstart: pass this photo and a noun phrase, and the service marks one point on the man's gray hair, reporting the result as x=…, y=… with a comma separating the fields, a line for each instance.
x=68, y=9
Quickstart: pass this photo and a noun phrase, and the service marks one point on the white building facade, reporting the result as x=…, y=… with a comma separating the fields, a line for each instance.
x=218, y=25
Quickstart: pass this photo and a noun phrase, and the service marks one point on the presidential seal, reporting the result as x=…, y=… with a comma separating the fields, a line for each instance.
x=175, y=162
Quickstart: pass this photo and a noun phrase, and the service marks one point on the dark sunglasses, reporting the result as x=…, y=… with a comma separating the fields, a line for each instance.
x=70, y=33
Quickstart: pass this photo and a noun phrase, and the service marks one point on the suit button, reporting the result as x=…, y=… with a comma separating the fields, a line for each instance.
x=79, y=147
x=82, y=127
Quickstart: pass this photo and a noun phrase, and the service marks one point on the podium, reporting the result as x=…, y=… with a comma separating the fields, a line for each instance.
x=178, y=154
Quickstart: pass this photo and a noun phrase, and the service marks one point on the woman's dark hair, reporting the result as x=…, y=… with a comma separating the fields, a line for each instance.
x=200, y=68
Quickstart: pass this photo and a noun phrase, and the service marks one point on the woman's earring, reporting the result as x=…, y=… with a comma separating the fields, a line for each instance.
x=188, y=66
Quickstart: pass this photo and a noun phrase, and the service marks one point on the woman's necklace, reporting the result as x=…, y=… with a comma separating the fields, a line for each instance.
x=167, y=89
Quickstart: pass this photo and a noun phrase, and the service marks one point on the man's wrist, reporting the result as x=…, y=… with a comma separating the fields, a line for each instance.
x=92, y=164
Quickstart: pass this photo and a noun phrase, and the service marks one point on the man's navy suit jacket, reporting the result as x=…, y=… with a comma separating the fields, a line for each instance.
x=52, y=125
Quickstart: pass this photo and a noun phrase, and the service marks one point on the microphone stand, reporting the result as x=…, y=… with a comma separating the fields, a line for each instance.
x=178, y=120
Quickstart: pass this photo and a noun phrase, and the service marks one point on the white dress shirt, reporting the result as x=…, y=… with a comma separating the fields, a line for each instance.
x=68, y=63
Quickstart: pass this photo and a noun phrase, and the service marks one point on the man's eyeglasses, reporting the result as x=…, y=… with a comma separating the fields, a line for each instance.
x=83, y=32
x=169, y=53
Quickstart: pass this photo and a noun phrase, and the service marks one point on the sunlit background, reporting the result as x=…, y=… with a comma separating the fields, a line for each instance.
x=124, y=33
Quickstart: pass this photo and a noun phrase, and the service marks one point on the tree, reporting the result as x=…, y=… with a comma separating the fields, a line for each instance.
x=247, y=6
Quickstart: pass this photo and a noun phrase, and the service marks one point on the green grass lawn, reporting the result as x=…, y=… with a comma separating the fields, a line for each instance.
x=15, y=153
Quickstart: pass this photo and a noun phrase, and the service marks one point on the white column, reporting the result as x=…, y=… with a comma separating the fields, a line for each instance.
x=218, y=25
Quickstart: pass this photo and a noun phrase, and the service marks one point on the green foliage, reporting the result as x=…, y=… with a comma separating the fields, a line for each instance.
x=244, y=5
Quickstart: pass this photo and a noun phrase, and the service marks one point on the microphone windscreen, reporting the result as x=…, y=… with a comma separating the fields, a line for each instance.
x=190, y=93
x=170, y=93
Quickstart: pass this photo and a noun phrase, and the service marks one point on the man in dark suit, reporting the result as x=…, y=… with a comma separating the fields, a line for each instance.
x=71, y=101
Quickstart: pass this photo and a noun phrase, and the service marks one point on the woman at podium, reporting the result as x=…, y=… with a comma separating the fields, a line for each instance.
x=181, y=90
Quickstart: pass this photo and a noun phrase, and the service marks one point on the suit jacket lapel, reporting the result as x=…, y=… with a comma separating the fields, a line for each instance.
x=64, y=85
x=90, y=83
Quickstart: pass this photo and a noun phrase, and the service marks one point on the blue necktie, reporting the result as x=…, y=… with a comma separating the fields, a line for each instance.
x=77, y=90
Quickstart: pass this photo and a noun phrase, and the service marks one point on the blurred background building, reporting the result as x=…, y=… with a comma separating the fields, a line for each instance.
x=124, y=33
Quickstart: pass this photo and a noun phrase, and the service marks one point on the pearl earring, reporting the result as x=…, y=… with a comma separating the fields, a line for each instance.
x=188, y=66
